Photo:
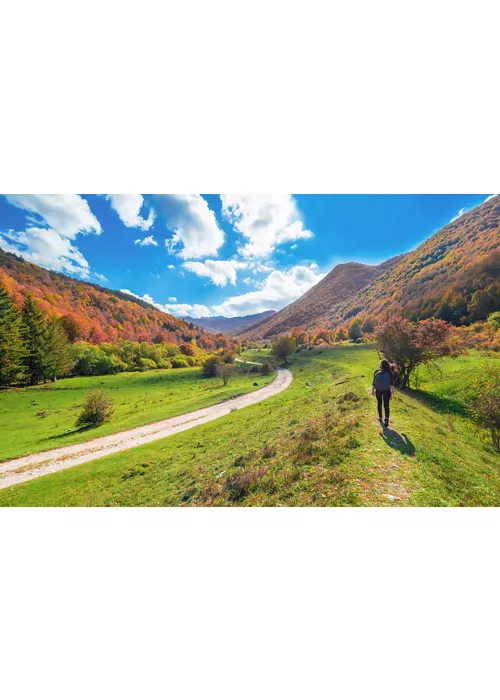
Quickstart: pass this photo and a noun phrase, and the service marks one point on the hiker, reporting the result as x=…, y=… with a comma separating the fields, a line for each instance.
x=383, y=389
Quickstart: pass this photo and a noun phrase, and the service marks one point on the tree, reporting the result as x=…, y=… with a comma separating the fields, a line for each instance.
x=225, y=372
x=267, y=368
x=369, y=324
x=187, y=350
x=97, y=409
x=210, y=366
x=355, y=333
x=284, y=347
x=340, y=334
x=485, y=405
x=73, y=328
x=58, y=361
x=494, y=320
x=410, y=345
x=34, y=334
x=11, y=344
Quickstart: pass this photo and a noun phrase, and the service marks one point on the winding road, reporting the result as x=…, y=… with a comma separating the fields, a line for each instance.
x=16, y=471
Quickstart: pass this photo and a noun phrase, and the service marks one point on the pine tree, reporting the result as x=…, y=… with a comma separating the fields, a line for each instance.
x=34, y=334
x=57, y=356
x=11, y=345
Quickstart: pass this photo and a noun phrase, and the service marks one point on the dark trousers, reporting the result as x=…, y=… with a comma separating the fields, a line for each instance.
x=384, y=396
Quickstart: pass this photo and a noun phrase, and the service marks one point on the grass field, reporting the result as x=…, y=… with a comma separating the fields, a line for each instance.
x=318, y=443
x=43, y=417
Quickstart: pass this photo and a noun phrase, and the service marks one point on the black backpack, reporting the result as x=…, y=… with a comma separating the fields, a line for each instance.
x=382, y=381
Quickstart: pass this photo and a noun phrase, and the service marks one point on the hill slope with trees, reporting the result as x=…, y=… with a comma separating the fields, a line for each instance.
x=454, y=275
x=94, y=313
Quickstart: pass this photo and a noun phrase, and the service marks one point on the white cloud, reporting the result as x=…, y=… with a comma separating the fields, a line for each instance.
x=128, y=207
x=173, y=299
x=171, y=267
x=196, y=232
x=180, y=310
x=149, y=240
x=64, y=217
x=277, y=290
x=68, y=214
x=47, y=248
x=265, y=221
x=219, y=271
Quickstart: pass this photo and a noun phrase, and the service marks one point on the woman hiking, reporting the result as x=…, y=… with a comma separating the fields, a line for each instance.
x=383, y=389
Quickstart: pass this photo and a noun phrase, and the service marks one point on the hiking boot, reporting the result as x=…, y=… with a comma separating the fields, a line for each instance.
x=386, y=423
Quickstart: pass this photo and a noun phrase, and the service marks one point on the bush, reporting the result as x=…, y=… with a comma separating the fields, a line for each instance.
x=210, y=366
x=97, y=409
x=485, y=405
x=179, y=361
x=145, y=363
x=267, y=368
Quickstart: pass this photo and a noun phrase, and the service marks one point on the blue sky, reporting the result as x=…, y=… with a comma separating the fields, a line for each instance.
x=229, y=255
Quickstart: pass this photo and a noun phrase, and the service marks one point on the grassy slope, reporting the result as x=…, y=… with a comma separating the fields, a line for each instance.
x=139, y=397
x=311, y=445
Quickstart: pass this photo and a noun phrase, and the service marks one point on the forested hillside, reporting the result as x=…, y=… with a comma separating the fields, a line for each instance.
x=454, y=275
x=94, y=313
x=341, y=283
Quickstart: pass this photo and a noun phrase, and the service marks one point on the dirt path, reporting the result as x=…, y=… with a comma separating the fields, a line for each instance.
x=15, y=471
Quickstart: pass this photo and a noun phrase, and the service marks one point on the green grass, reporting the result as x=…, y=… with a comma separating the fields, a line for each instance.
x=316, y=444
x=41, y=418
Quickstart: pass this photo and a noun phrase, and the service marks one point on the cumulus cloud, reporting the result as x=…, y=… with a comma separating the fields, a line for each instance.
x=67, y=214
x=171, y=267
x=180, y=310
x=128, y=207
x=276, y=291
x=149, y=240
x=47, y=248
x=54, y=222
x=196, y=232
x=220, y=272
x=265, y=221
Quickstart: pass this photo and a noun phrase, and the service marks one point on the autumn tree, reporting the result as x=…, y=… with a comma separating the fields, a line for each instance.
x=340, y=334
x=369, y=324
x=225, y=372
x=11, y=344
x=411, y=345
x=284, y=347
x=485, y=403
x=355, y=333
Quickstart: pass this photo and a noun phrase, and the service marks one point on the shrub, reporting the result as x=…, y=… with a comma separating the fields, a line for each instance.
x=179, y=361
x=485, y=405
x=145, y=363
x=97, y=409
x=267, y=368
x=210, y=366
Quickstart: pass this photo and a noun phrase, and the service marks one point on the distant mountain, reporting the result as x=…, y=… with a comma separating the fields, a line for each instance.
x=228, y=326
x=340, y=284
x=96, y=313
x=453, y=275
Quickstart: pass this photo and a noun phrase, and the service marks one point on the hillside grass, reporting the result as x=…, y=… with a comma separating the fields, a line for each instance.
x=316, y=444
x=40, y=418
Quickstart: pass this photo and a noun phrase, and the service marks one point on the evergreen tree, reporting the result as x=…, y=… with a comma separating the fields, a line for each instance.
x=34, y=334
x=58, y=360
x=11, y=346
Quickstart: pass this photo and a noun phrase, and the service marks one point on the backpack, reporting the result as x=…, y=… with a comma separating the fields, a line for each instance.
x=382, y=381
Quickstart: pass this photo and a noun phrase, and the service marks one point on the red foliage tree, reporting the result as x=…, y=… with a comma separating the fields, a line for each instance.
x=410, y=345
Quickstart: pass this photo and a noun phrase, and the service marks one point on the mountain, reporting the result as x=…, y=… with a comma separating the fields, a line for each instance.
x=453, y=275
x=93, y=312
x=229, y=326
x=340, y=284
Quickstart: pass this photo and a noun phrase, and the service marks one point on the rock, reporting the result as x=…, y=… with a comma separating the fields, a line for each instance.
x=255, y=384
x=395, y=466
x=391, y=497
x=308, y=384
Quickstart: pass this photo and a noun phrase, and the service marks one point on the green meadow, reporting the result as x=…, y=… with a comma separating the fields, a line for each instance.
x=43, y=417
x=316, y=444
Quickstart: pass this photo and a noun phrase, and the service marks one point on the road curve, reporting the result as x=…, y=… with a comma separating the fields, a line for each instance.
x=21, y=469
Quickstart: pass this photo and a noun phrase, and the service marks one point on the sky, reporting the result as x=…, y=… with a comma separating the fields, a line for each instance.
x=207, y=255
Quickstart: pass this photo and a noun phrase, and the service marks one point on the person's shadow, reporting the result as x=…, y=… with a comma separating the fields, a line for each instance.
x=402, y=442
